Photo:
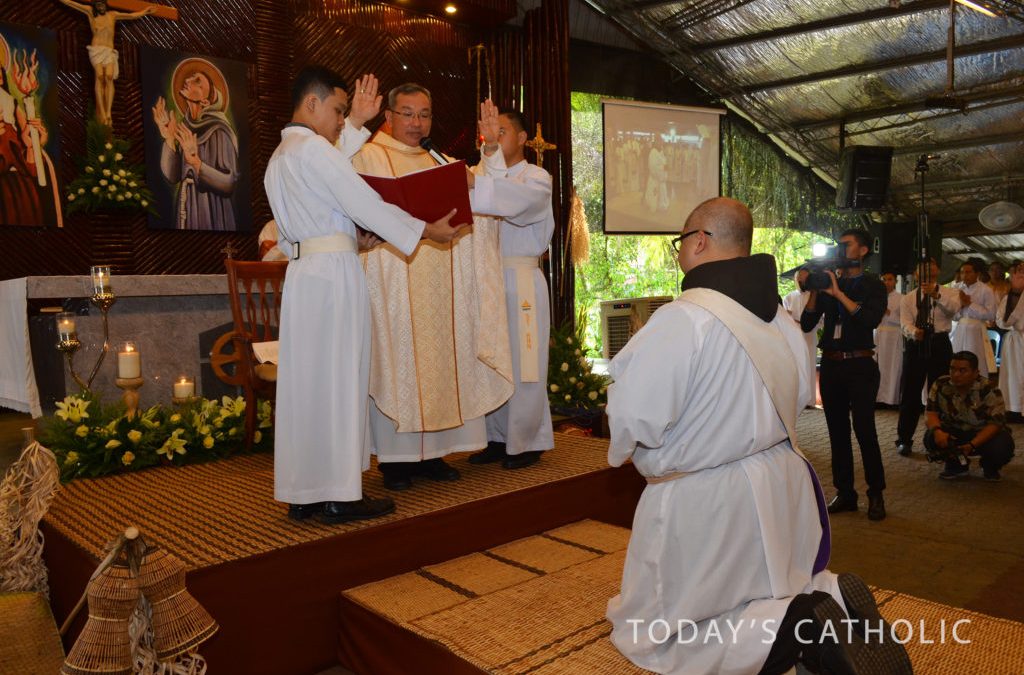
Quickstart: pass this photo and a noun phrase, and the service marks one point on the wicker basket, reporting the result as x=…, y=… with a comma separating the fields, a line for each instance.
x=104, y=645
x=180, y=623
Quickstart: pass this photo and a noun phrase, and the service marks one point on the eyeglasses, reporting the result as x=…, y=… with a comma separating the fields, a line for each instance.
x=678, y=241
x=407, y=115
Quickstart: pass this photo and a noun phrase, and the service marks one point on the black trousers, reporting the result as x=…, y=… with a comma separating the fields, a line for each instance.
x=916, y=368
x=788, y=648
x=993, y=455
x=849, y=387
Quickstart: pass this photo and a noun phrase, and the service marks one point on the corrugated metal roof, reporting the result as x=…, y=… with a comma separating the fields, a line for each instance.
x=867, y=72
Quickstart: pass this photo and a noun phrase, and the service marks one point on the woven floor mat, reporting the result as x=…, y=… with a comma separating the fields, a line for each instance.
x=996, y=645
x=222, y=511
x=537, y=605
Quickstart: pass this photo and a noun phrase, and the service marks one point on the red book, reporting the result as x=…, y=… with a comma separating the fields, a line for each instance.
x=428, y=194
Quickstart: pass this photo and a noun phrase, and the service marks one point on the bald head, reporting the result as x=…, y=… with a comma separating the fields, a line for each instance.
x=729, y=220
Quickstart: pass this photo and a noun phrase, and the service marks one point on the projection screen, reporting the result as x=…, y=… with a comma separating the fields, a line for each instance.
x=660, y=161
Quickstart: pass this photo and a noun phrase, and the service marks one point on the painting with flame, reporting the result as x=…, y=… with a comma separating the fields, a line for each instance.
x=29, y=139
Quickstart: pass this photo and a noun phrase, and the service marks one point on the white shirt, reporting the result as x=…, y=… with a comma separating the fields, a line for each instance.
x=943, y=309
x=983, y=303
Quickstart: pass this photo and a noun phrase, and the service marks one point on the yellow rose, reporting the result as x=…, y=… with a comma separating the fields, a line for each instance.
x=564, y=367
x=175, y=418
x=127, y=458
x=554, y=389
x=257, y=437
x=205, y=429
x=208, y=442
x=72, y=458
x=113, y=444
x=135, y=436
x=82, y=431
x=592, y=396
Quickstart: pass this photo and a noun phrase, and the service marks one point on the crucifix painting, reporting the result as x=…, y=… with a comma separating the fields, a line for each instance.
x=29, y=143
x=102, y=53
x=197, y=152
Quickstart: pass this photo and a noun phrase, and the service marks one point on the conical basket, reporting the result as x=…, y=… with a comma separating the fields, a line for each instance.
x=180, y=623
x=104, y=645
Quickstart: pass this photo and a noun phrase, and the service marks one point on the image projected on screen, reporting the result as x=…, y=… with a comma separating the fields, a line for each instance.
x=660, y=161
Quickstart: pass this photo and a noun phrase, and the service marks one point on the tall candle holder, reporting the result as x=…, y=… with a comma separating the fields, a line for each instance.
x=67, y=337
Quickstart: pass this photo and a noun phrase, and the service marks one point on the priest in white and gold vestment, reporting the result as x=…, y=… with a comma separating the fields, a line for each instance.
x=441, y=357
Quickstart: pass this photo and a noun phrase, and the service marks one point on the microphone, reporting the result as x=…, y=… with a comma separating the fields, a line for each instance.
x=429, y=146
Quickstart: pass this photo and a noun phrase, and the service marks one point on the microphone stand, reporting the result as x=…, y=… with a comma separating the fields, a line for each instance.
x=924, y=319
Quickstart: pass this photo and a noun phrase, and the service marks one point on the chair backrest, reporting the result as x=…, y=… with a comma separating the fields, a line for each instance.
x=255, y=290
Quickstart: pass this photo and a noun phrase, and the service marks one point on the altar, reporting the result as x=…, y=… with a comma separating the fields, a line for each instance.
x=173, y=320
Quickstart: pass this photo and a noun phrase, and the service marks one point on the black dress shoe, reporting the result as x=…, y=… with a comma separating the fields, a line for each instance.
x=846, y=653
x=522, y=460
x=364, y=509
x=904, y=448
x=304, y=511
x=861, y=606
x=436, y=469
x=396, y=475
x=494, y=452
x=876, y=507
x=839, y=504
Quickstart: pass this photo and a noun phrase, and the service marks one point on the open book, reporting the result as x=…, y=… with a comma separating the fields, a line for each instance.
x=428, y=194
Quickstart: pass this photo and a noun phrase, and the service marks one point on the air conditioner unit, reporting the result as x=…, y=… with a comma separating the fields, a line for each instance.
x=621, y=319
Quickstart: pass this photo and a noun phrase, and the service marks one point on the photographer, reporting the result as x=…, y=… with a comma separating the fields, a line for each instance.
x=966, y=416
x=853, y=307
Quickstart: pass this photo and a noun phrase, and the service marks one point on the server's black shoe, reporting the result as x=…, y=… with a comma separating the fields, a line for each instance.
x=904, y=448
x=522, y=460
x=363, y=509
x=839, y=504
x=304, y=511
x=494, y=452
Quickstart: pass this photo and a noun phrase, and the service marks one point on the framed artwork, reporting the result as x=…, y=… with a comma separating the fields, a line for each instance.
x=29, y=139
x=195, y=116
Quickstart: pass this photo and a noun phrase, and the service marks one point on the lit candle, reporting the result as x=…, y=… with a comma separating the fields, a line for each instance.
x=184, y=388
x=129, y=363
x=65, y=326
x=101, y=281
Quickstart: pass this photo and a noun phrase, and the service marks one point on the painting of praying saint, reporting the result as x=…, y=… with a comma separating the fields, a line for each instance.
x=195, y=117
x=29, y=142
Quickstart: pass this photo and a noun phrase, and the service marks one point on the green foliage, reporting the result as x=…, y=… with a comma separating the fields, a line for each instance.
x=106, y=180
x=91, y=440
x=572, y=386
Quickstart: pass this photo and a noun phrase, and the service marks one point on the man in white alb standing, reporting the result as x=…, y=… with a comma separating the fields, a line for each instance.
x=520, y=430
x=321, y=442
x=977, y=308
x=889, y=345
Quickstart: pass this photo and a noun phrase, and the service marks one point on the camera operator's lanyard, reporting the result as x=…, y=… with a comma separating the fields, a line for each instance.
x=853, y=282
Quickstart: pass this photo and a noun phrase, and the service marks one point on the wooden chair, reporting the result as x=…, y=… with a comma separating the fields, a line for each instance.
x=254, y=289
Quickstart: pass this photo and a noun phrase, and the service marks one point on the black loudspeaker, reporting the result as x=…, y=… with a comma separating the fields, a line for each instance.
x=897, y=242
x=863, y=177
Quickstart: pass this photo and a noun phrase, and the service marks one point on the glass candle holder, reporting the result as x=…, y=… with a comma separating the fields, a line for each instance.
x=129, y=361
x=101, y=287
x=184, y=387
x=66, y=326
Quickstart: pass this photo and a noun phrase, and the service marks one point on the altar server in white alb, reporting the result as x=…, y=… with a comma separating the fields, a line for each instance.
x=520, y=430
x=1010, y=317
x=321, y=443
x=794, y=303
x=730, y=539
x=977, y=308
x=889, y=345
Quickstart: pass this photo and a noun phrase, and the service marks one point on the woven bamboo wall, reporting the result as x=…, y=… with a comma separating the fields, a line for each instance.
x=275, y=39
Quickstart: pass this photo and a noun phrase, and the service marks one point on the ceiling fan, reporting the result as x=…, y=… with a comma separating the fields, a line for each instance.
x=1001, y=216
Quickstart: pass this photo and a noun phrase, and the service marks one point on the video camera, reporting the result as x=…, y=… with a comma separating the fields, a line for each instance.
x=833, y=259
